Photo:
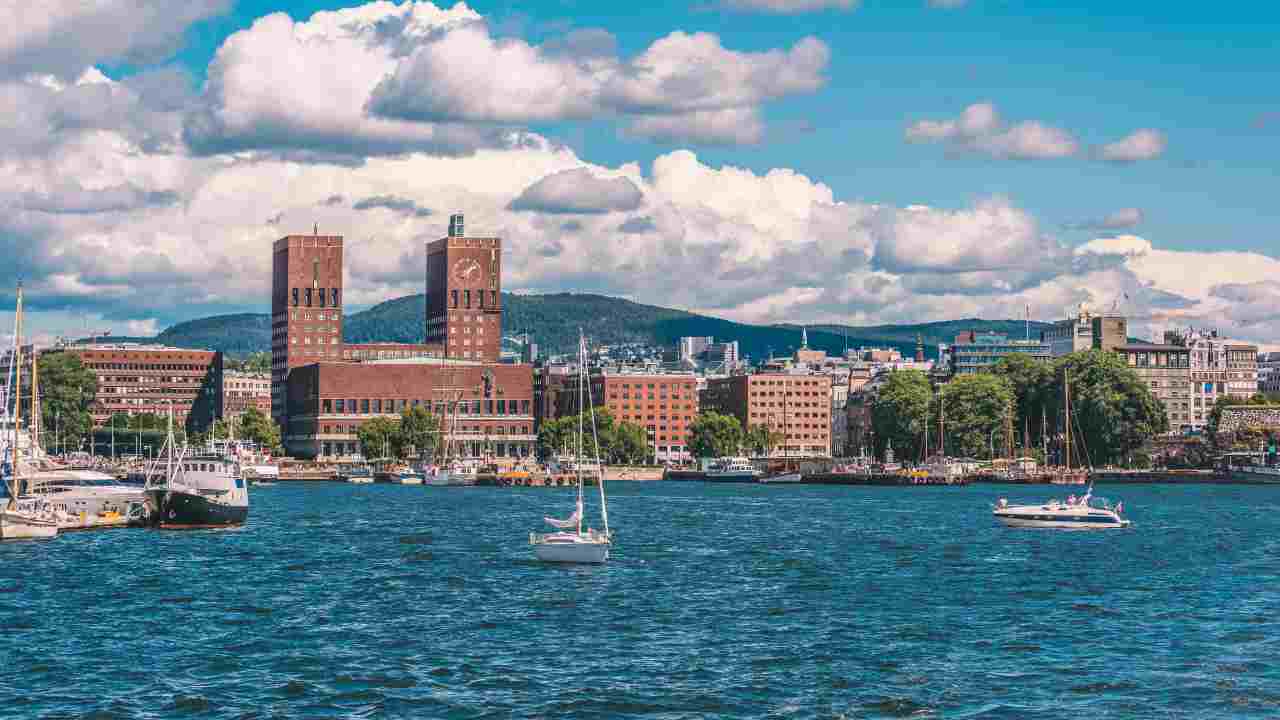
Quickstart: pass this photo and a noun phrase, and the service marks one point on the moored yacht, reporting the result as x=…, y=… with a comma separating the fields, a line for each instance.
x=204, y=490
x=1086, y=512
x=733, y=469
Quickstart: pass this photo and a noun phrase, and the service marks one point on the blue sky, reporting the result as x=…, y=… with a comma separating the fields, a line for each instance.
x=892, y=161
x=1099, y=68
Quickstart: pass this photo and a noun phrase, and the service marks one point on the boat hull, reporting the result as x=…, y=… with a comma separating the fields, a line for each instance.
x=1049, y=519
x=190, y=511
x=26, y=526
x=584, y=553
x=742, y=477
x=784, y=478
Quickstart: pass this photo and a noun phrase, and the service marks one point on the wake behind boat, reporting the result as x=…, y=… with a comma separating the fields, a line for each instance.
x=1083, y=513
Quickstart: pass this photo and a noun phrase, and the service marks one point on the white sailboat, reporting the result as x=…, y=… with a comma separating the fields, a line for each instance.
x=572, y=544
x=23, y=517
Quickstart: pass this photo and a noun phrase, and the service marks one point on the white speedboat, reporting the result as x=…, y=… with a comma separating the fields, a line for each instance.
x=405, y=477
x=454, y=474
x=781, y=478
x=1086, y=512
x=733, y=469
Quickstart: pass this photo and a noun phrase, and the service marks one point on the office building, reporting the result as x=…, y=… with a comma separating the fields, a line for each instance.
x=795, y=406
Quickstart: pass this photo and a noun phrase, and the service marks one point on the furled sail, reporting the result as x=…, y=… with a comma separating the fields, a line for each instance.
x=571, y=521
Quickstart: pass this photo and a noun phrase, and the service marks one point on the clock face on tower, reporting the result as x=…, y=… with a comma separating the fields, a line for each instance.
x=466, y=270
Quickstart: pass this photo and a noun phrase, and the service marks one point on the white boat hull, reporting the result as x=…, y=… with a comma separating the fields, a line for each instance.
x=1060, y=520
x=407, y=481
x=781, y=479
x=20, y=525
x=582, y=553
x=360, y=480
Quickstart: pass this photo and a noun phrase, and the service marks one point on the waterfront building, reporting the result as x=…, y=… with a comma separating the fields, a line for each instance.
x=149, y=379
x=1086, y=331
x=241, y=391
x=306, y=308
x=795, y=406
x=1166, y=369
x=1269, y=372
x=359, y=352
x=974, y=352
x=486, y=409
x=1219, y=368
x=464, y=295
x=664, y=404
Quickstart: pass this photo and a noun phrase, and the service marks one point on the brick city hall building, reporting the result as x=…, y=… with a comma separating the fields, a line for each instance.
x=323, y=389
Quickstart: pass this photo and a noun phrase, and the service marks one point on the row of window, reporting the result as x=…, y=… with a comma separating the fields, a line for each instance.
x=466, y=299
x=318, y=294
x=378, y=406
x=460, y=430
x=180, y=367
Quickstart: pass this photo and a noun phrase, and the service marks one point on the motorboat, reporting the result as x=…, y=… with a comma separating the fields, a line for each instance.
x=571, y=543
x=404, y=476
x=781, y=478
x=355, y=473
x=1077, y=513
x=197, y=490
x=733, y=469
x=454, y=474
x=86, y=499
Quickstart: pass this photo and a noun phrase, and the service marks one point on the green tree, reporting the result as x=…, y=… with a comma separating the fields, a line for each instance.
x=1113, y=412
x=715, y=435
x=976, y=407
x=761, y=439
x=67, y=389
x=255, y=427
x=418, y=433
x=380, y=437
x=259, y=362
x=629, y=445
x=1035, y=393
x=899, y=413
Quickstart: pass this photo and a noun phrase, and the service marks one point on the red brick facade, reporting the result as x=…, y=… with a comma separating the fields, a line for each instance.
x=494, y=412
x=464, y=297
x=306, y=307
x=135, y=379
x=664, y=405
x=797, y=405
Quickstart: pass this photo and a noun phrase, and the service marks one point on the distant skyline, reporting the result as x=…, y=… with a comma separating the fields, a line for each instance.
x=801, y=161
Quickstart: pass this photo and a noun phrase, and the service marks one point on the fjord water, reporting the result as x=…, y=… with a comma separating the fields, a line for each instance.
x=341, y=601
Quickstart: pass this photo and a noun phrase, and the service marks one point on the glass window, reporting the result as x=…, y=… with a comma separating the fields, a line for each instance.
x=454, y=294
x=295, y=301
x=322, y=298
x=326, y=406
x=466, y=298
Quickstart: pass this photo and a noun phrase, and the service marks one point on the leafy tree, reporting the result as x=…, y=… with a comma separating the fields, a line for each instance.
x=418, y=432
x=255, y=427
x=148, y=421
x=67, y=389
x=1113, y=412
x=976, y=407
x=380, y=437
x=761, y=439
x=715, y=435
x=899, y=413
x=620, y=443
x=1032, y=383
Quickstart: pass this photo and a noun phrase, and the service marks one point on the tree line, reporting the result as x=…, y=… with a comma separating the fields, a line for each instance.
x=1020, y=403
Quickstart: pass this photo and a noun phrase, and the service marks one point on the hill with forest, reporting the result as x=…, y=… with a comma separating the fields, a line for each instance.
x=552, y=321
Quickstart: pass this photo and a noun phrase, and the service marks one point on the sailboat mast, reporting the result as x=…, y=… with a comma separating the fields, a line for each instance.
x=582, y=410
x=35, y=399
x=17, y=397
x=1066, y=408
x=942, y=424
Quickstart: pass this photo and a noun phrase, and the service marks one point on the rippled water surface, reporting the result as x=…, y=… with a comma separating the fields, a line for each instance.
x=340, y=601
